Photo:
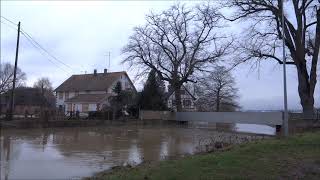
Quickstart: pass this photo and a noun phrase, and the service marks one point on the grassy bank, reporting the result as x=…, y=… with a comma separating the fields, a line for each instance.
x=296, y=157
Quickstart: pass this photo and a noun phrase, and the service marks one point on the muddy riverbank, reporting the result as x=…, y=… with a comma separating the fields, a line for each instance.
x=296, y=157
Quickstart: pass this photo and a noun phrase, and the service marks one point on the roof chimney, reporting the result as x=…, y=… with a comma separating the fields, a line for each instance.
x=105, y=71
x=95, y=72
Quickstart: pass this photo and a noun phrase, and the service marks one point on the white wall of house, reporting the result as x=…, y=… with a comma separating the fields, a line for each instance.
x=92, y=92
x=125, y=84
x=72, y=94
x=79, y=107
x=58, y=100
x=92, y=107
x=186, y=106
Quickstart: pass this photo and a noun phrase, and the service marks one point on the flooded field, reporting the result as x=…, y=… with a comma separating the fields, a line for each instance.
x=64, y=153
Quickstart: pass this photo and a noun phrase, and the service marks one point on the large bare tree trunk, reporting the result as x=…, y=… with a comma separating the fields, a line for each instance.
x=177, y=95
x=218, y=101
x=306, y=96
x=301, y=35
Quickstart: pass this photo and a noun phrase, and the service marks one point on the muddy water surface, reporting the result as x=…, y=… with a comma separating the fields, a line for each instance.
x=64, y=153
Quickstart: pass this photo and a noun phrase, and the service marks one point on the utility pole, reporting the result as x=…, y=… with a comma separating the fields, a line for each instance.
x=285, y=101
x=14, y=75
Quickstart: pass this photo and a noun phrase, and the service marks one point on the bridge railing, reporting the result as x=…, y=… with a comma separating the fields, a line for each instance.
x=268, y=118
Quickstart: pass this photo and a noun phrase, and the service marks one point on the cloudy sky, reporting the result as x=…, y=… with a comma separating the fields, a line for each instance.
x=81, y=34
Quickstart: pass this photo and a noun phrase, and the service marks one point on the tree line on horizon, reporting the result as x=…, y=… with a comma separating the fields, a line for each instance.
x=43, y=84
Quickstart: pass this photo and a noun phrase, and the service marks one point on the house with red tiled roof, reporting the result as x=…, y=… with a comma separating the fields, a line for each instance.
x=90, y=92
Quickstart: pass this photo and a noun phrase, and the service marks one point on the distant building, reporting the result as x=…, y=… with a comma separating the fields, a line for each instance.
x=90, y=92
x=26, y=100
x=187, y=100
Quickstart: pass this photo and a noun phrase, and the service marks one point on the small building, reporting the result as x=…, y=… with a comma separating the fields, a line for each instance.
x=27, y=100
x=187, y=100
x=90, y=92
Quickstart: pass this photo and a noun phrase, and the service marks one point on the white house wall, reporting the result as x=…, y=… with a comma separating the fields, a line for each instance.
x=92, y=107
x=123, y=80
x=185, y=96
x=78, y=107
x=92, y=92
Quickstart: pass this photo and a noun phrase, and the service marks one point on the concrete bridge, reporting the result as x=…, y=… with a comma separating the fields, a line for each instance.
x=267, y=118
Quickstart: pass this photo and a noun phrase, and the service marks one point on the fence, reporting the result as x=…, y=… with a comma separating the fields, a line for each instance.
x=269, y=118
x=157, y=115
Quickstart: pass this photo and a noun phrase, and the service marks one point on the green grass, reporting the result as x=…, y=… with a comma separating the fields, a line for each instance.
x=296, y=157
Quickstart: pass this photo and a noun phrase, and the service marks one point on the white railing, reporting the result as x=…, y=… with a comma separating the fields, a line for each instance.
x=269, y=118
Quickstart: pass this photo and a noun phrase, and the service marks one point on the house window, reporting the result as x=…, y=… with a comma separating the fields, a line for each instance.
x=85, y=107
x=182, y=91
x=76, y=93
x=60, y=94
x=66, y=95
x=187, y=102
x=88, y=91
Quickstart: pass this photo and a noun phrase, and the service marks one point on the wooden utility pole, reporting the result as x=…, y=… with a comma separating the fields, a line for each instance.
x=14, y=75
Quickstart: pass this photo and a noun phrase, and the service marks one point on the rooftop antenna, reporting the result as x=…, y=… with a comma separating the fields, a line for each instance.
x=109, y=61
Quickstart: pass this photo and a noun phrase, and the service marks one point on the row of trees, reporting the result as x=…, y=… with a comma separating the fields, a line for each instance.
x=214, y=92
x=180, y=43
x=6, y=82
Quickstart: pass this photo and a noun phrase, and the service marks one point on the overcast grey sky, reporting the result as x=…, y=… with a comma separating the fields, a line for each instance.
x=82, y=33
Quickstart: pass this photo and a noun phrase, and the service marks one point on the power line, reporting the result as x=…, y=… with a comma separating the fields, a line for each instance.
x=9, y=25
x=31, y=42
x=36, y=44
x=41, y=47
x=9, y=21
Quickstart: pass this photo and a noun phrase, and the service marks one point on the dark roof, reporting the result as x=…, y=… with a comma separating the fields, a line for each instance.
x=25, y=96
x=91, y=82
x=94, y=98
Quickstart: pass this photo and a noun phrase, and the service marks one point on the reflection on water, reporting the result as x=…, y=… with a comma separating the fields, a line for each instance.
x=61, y=153
x=255, y=128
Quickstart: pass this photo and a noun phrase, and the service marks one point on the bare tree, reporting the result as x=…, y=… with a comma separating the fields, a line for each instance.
x=46, y=90
x=6, y=77
x=176, y=44
x=217, y=91
x=301, y=35
x=43, y=83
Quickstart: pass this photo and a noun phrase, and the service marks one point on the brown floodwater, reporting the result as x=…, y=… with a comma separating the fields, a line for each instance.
x=66, y=153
